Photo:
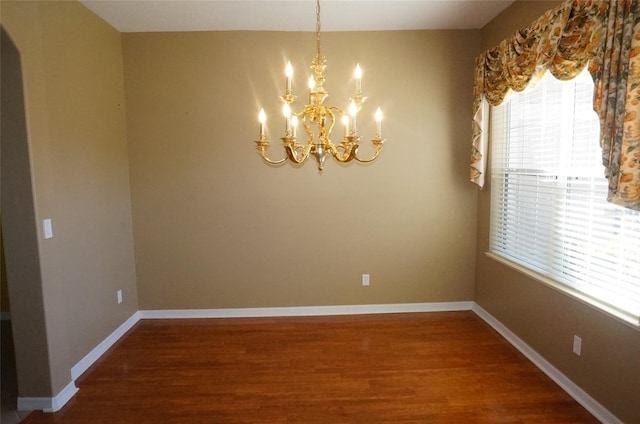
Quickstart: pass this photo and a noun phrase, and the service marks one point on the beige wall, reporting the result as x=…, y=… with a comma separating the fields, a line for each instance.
x=74, y=98
x=215, y=227
x=609, y=367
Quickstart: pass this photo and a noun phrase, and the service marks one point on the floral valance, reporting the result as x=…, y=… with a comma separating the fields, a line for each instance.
x=603, y=35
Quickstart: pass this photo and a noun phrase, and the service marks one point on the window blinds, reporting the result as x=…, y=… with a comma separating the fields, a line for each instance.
x=548, y=204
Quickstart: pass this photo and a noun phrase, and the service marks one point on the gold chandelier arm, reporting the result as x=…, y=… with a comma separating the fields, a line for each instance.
x=326, y=133
x=292, y=148
x=274, y=162
x=344, y=152
x=262, y=148
x=332, y=112
x=378, y=146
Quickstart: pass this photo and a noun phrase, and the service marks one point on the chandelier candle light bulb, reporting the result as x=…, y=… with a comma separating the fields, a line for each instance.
x=294, y=124
x=378, y=117
x=286, y=111
x=262, y=117
x=318, y=119
x=358, y=74
x=353, y=111
x=345, y=122
x=288, y=71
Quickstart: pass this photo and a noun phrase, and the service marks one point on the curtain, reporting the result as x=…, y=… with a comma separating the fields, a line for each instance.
x=603, y=35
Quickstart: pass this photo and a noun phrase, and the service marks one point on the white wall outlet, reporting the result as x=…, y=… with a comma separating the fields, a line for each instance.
x=119, y=295
x=365, y=279
x=577, y=345
x=47, y=228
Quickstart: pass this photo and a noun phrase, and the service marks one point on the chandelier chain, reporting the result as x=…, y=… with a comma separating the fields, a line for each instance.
x=318, y=26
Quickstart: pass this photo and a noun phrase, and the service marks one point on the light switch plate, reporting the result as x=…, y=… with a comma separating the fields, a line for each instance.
x=47, y=228
x=577, y=345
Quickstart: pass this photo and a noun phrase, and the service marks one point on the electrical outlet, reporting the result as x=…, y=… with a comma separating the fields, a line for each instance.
x=119, y=295
x=365, y=279
x=577, y=345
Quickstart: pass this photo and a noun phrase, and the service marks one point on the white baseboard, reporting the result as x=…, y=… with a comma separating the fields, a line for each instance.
x=48, y=404
x=98, y=351
x=305, y=310
x=582, y=397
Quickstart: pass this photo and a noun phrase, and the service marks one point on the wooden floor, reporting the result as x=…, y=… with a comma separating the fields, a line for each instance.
x=397, y=368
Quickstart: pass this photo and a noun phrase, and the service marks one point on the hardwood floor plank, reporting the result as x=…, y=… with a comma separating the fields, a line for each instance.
x=396, y=368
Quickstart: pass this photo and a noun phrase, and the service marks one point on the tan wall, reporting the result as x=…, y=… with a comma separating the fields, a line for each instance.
x=74, y=96
x=608, y=369
x=215, y=227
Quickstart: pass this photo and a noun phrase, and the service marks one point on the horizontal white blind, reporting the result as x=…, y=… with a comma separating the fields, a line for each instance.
x=548, y=201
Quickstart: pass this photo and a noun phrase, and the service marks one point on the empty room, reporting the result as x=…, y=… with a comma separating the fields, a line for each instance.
x=320, y=211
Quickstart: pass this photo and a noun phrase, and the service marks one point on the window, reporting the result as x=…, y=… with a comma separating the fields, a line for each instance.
x=549, y=212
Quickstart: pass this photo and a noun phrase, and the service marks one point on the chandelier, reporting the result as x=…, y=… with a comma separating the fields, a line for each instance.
x=318, y=120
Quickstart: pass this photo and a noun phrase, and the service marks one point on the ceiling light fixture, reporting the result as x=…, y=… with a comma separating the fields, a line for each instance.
x=318, y=120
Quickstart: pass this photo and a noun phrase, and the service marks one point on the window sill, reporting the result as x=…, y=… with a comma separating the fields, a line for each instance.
x=622, y=317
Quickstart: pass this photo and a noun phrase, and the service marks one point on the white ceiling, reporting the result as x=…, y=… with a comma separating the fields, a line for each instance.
x=295, y=15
